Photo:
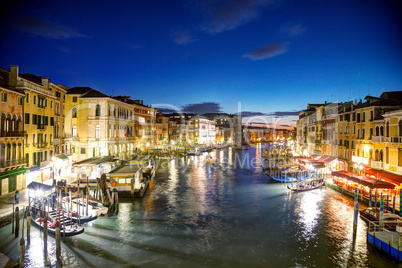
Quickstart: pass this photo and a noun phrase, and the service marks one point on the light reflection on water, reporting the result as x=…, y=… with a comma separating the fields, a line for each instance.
x=218, y=215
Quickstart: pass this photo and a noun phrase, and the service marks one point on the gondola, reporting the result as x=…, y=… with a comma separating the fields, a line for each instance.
x=71, y=229
x=307, y=186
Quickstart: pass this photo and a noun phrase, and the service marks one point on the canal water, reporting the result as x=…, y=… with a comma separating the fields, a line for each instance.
x=222, y=215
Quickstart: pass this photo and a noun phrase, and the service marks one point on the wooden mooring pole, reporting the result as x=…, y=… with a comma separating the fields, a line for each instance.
x=17, y=221
x=28, y=227
x=58, y=240
x=12, y=227
x=45, y=235
x=22, y=251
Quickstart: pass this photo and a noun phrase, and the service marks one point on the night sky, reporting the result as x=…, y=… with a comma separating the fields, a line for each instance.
x=207, y=55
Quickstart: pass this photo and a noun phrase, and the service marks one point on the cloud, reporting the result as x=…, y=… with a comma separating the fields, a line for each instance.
x=294, y=30
x=182, y=37
x=285, y=126
x=251, y=114
x=268, y=51
x=44, y=29
x=165, y=110
x=284, y=113
x=226, y=15
x=202, y=108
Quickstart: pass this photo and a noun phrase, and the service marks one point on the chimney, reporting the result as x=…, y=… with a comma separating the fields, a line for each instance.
x=355, y=101
x=45, y=82
x=13, y=75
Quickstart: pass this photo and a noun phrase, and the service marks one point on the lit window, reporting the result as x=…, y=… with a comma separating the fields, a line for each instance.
x=74, y=131
x=97, y=131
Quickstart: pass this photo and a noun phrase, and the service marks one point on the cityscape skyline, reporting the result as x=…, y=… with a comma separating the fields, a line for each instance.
x=272, y=56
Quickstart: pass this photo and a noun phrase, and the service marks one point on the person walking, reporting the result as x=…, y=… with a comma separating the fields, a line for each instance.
x=17, y=196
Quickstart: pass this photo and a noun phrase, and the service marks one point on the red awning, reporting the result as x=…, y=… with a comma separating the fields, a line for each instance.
x=386, y=176
x=371, y=183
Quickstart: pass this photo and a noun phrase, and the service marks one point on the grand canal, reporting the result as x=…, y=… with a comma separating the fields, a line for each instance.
x=226, y=215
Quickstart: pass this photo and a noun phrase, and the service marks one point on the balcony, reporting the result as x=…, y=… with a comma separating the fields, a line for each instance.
x=41, y=127
x=396, y=139
x=16, y=133
x=378, y=139
x=41, y=145
x=377, y=164
x=12, y=162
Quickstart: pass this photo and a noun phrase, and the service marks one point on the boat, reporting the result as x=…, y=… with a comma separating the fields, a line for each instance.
x=306, y=186
x=71, y=229
x=194, y=152
x=95, y=209
x=373, y=214
x=284, y=179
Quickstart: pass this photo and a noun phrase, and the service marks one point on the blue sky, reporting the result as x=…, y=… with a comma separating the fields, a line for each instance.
x=273, y=56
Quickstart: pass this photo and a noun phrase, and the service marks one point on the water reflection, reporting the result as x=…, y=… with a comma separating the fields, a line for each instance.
x=221, y=215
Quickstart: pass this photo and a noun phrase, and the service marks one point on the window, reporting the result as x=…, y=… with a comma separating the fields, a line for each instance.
x=20, y=101
x=34, y=101
x=34, y=119
x=52, y=121
x=98, y=110
x=74, y=131
x=3, y=97
x=27, y=98
x=82, y=150
x=51, y=104
x=75, y=99
x=74, y=113
x=45, y=102
x=97, y=131
x=45, y=156
x=26, y=118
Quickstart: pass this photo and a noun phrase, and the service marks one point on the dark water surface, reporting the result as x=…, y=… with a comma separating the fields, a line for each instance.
x=226, y=215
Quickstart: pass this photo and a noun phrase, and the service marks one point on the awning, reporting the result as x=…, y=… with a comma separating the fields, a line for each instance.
x=36, y=186
x=13, y=172
x=371, y=183
x=327, y=159
x=386, y=176
x=62, y=157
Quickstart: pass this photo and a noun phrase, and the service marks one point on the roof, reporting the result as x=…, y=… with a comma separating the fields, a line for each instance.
x=127, y=170
x=396, y=95
x=86, y=92
x=94, y=161
x=33, y=78
x=36, y=186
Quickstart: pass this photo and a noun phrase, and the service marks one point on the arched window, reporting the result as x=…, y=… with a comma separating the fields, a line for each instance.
x=14, y=123
x=376, y=155
x=74, y=112
x=377, y=131
x=3, y=122
x=114, y=112
x=74, y=131
x=98, y=110
x=381, y=155
x=109, y=111
x=97, y=131
x=387, y=129
x=8, y=123
x=400, y=128
x=19, y=123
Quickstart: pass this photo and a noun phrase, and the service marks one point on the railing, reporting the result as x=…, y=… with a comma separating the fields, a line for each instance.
x=12, y=162
x=41, y=145
x=377, y=164
x=33, y=86
x=378, y=139
x=396, y=139
x=16, y=133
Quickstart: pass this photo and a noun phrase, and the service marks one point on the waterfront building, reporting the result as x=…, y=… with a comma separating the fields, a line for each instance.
x=229, y=127
x=12, y=136
x=97, y=125
x=38, y=123
x=202, y=130
x=162, y=130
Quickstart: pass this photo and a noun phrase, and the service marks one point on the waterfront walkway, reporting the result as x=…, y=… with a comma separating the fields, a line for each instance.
x=7, y=201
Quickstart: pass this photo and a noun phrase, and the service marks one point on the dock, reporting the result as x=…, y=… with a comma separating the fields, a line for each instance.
x=388, y=242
